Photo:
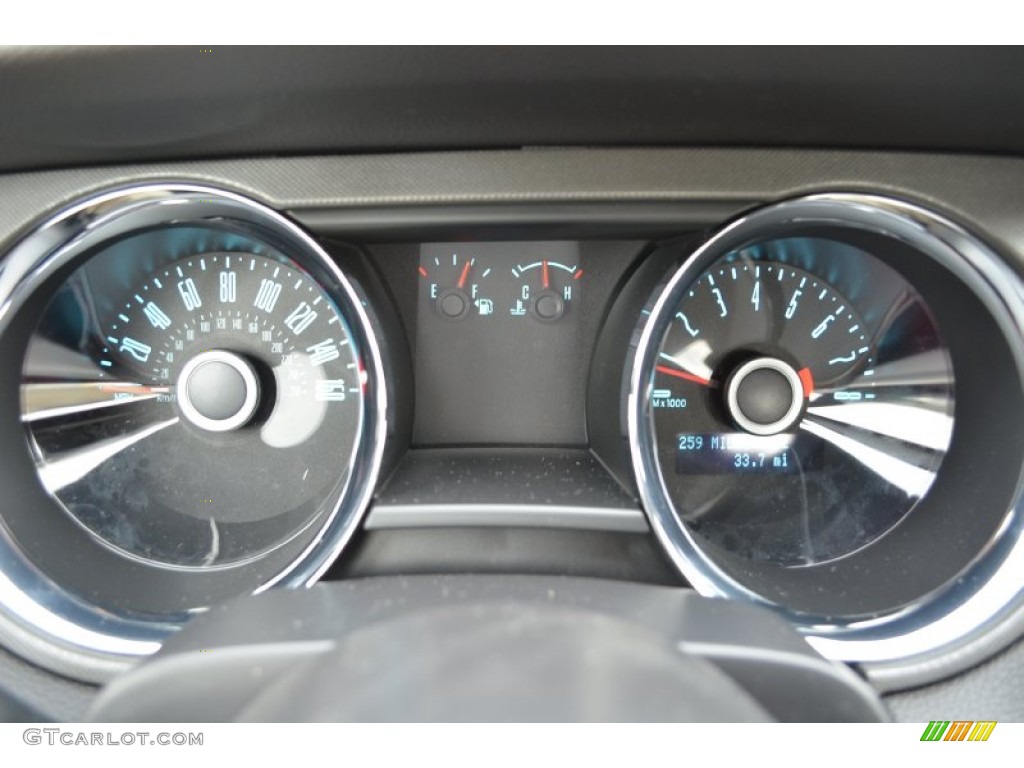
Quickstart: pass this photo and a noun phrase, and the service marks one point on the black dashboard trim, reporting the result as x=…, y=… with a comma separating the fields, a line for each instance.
x=112, y=105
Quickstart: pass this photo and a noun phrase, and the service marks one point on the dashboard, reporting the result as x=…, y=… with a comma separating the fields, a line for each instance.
x=272, y=402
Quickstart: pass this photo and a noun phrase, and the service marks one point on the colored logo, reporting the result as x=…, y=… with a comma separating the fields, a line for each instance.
x=959, y=730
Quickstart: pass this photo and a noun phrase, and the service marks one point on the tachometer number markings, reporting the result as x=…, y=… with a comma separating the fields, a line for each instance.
x=847, y=359
x=794, y=301
x=686, y=324
x=820, y=329
x=721, y=302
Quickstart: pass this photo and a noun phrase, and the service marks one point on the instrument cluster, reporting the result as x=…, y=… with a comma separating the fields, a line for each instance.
x=803, y=402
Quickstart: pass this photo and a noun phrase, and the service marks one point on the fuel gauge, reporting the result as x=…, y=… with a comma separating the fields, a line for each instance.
x=457, y=287
x=546, y=289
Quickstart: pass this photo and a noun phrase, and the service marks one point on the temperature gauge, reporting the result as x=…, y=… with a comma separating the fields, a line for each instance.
x=457, y=286
x=546, y=290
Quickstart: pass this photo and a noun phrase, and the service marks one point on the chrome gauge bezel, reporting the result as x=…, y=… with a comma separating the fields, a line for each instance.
x=915, y=641
x=45, y=621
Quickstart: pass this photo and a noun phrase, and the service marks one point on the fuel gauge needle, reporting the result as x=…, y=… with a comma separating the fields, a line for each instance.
x=681, y=374
x=464, y=275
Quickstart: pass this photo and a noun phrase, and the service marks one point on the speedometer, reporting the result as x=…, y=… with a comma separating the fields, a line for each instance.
x=200, y=414
x=207, y=366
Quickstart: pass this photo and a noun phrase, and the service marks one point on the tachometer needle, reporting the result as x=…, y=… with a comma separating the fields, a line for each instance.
x=464, y=275
x=684, y=375
x=807, y=380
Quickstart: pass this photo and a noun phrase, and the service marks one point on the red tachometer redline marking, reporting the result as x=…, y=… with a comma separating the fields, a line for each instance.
x=683, y=375
x=807, y=380
x=578, y=275
x=464, y=275
x=423, y=271
x=544, y=273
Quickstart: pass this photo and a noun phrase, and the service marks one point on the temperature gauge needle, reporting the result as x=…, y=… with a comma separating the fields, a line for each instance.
x=545, y=278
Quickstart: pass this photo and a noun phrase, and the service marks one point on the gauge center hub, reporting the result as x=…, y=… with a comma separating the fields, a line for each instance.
x=765, y=396
x=218, y=391
x=453, y=304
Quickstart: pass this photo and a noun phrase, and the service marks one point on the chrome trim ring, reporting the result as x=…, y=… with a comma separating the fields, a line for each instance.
x=941, y=632
x=45, y=622
x=482, y=515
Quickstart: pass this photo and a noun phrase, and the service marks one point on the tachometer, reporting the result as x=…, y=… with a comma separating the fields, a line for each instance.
x=794, y=433
x=777, y=427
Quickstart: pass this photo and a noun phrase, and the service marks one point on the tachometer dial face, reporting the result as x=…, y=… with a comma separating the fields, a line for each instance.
x=196, y=413
x=800, y=411
x=747, y=305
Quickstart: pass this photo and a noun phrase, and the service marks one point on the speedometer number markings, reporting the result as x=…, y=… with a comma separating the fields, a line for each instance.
x=189, y=294
x=136, y=349
x=156, y=316
x=301, y=318
x=228, y=287
x=330, y=390
x=323, y=352
x=267, y=295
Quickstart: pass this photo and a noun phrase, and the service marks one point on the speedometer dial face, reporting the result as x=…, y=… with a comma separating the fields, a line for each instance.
x=802, y=401
x=196, y=410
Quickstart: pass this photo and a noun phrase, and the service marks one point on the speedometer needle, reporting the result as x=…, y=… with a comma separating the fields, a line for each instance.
x=684, y=375
x=135, y=389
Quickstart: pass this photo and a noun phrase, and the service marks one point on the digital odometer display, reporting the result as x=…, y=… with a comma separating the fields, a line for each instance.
x=739, y=452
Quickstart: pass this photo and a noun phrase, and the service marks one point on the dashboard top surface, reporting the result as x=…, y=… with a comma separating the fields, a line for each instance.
x=110, y=105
